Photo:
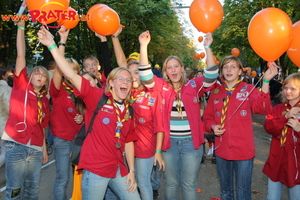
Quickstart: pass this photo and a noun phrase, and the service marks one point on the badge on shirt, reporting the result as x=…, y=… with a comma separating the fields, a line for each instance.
x=218, y=114
x=139, y=100
x=105, y=120
x=142, y=120
x=243, y=113
x=216, y=101
x=108, y=102
x=70, y=109
x=283, y=112
x=243, y=88
x=195, y=99
x=216, y=91
x=151, y=101
x=193, y=83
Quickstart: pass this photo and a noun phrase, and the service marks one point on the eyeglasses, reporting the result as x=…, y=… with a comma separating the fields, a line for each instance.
x=92, y=65
x=122, y=79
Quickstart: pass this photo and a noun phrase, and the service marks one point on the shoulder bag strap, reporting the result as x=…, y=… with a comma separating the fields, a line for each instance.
x=101, y=102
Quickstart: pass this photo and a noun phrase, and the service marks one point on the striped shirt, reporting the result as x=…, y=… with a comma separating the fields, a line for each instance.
x=179, y=124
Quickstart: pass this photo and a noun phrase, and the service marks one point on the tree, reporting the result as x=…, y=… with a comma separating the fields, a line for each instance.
x=233, y=30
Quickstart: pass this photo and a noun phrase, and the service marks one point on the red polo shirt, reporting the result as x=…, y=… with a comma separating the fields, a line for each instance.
x=148, y=121
x=62, y=122
x=99, y=154
x=14, y=125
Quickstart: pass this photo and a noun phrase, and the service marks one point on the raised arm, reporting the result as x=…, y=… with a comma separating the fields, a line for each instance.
x=46, y=39
x=107, y=68
x=146, y=73
x=21, y=48
x=268, y=75
x=211, y=72
x=119, y=53
x=57, y=76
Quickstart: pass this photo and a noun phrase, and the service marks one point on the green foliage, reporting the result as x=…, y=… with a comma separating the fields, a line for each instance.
x=233, y=30
x=167, y=36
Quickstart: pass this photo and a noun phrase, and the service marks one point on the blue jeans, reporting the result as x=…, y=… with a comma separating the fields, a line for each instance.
x=143, y=168
x=62, y=149
x=242, y=171
x=155, y=182
x=275, y=191
x=182, y=167
x=23, y=170
x=94, y=186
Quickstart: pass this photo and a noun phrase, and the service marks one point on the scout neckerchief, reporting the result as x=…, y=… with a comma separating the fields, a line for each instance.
x=40, y=104
x=69, y=90
x=134, y=98
x=225, y=104
x=285, y=128
x=119, y=122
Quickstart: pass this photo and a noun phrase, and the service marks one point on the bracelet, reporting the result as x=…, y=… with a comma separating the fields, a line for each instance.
x=207, y=47
x=158, y=151
x=113, y=36
x=131, y=171
x=266, y=81
x=62, y=44
x=52, y=47
x=21, y=27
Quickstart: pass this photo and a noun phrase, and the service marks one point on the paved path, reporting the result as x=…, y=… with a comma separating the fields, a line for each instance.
x=208, y=179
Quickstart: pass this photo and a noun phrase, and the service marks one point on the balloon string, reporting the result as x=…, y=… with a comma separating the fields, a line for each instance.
x=38, y=44
x=245, y=98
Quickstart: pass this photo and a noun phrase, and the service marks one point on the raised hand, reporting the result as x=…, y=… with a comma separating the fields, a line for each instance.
x=45, y=37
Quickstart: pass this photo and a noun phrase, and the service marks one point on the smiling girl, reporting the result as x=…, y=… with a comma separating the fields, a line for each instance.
x=282, y=165
x=229, y=115
x=101, y=156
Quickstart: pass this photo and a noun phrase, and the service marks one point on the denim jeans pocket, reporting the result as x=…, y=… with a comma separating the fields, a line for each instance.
x=9, y=145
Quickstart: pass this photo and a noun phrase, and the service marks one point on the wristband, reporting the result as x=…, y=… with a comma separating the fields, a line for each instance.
x=113, y=36
x=207, y=47
x=266, y=81
x=62, y=44
x=21, y=27
x=158, y=151
x=52, y=47
x=131, y=171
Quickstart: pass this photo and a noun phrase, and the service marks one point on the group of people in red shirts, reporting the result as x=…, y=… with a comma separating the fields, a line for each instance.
x=165, y=129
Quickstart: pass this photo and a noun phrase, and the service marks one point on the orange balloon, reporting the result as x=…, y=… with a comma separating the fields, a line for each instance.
x=206, y=15
x=294, y=49
x=105, y=21
x=270, y=33
x=197, y=56
x=200, y=38
x=253, y=74
x=235, y=52
x=90, y=12
x=47, y=11
x=71, y=21
x=202, y=55
x=217, y=62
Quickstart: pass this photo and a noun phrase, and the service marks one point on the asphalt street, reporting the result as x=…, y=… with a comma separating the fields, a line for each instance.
x=208, y=178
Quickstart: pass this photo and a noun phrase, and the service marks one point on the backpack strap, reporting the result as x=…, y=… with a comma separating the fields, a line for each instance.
x=101, y=103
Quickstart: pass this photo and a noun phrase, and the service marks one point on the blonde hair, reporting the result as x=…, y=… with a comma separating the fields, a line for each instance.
x=74, y=63
x=45, y=88
x=164, y=69
x=228, y=59
x=112, y=75
x=294, y=79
